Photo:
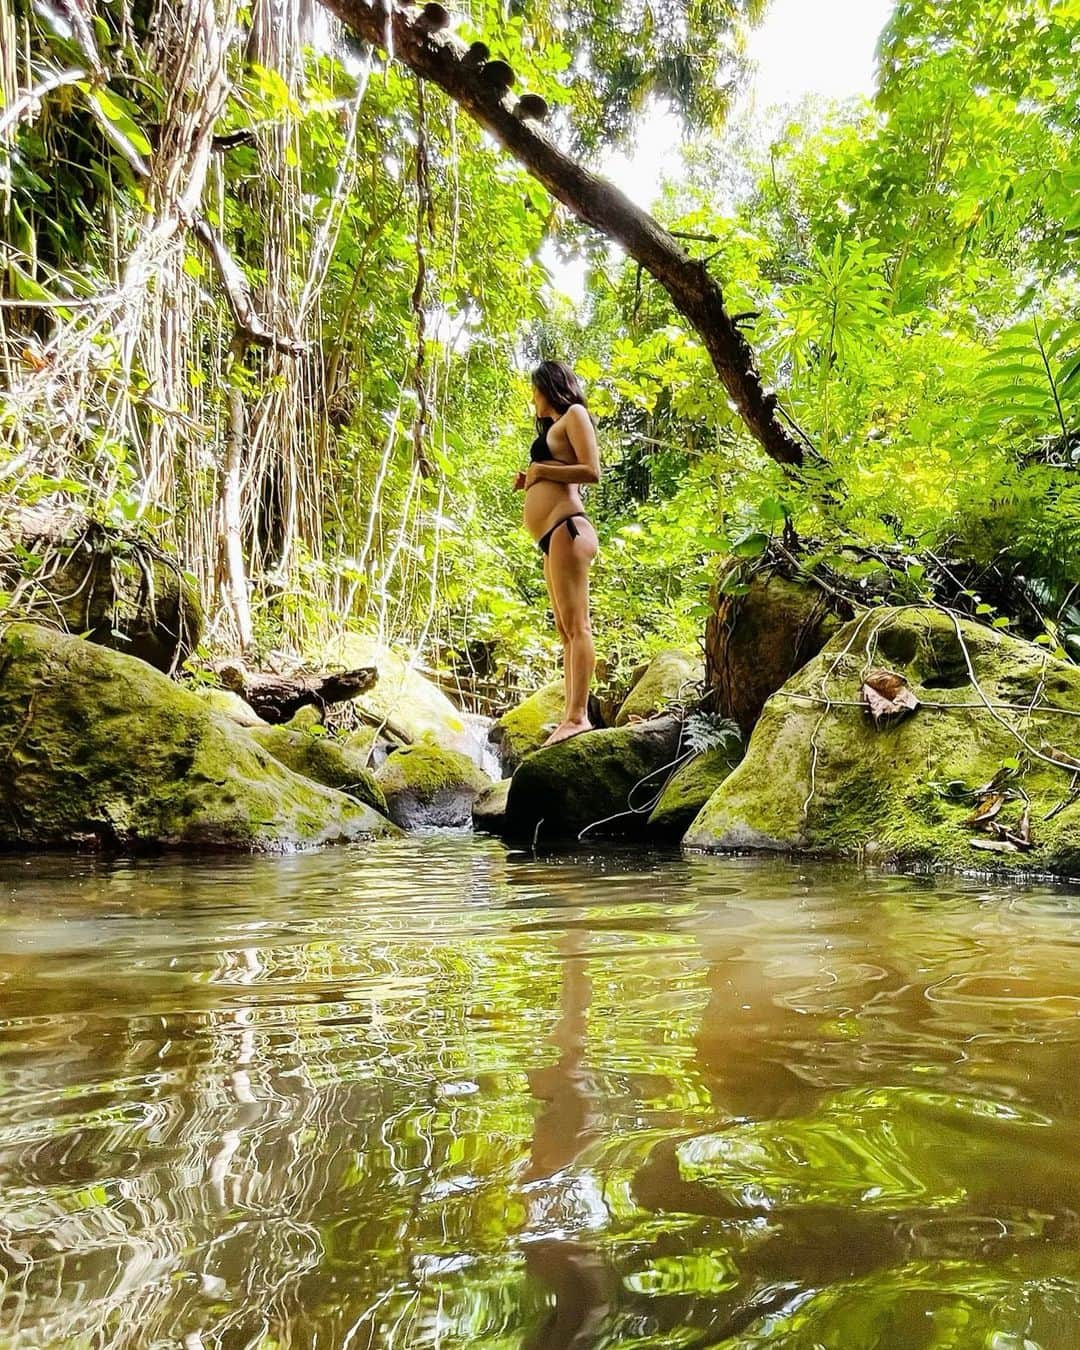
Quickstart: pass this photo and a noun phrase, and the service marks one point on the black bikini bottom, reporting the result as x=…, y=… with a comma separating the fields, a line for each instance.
x=544, y=542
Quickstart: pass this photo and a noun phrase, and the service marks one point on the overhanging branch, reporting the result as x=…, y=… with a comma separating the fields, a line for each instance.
x=481, y=88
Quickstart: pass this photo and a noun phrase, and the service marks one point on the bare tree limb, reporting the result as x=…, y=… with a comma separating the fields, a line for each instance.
x=483, y=91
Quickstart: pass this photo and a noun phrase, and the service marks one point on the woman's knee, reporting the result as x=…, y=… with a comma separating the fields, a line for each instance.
x=578, y=629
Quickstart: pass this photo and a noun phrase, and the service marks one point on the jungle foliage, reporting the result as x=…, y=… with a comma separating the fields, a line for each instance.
x=904, y=269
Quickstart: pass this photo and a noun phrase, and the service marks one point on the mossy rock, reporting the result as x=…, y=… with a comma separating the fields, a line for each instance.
x=688, y=789
x=523, y=729
x=325, y=760
x=99, y=748
x=489, y=809
x=426, y=784
x=412, y=706
x=824, y=779
x=107, y=584
x=671, y=675
x=588, y=778
x=305, y=718
x=230, y=705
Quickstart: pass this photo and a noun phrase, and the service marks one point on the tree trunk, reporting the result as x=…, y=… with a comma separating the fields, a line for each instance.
x=447, y=62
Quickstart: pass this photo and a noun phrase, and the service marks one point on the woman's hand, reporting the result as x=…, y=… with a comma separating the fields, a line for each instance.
x=520, y=481
x=532, y=475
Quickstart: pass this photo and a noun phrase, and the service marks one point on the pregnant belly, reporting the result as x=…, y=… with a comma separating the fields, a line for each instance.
x=546, y=503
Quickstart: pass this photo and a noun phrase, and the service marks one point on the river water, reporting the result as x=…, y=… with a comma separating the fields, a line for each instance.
x=434, y=1093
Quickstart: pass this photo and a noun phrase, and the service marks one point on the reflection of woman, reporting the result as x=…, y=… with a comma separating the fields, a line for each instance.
x=572, y=1269
x=564, y=456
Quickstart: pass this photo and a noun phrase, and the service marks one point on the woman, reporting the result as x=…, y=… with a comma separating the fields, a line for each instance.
x=564, y=455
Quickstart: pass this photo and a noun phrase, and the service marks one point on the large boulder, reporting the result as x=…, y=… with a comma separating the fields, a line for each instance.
x=412, y=707
x=821, y=775
x=756, y=640
x=671, y=676
x=113, y=588
x=427, y=784
x=319, y=756
x=525, y=728
x=589, y=778
x=98, y=748
x=688, y=789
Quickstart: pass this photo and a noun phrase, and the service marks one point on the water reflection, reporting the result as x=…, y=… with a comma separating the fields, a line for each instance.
x=429, y=1094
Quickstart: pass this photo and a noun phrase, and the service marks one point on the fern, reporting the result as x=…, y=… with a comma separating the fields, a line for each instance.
x=1033, y=376
x=707, y=731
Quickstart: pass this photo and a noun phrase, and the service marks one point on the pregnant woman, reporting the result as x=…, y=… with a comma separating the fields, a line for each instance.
x=564, y=455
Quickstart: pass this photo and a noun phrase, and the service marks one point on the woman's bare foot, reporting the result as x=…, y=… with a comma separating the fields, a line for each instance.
x=566, y=729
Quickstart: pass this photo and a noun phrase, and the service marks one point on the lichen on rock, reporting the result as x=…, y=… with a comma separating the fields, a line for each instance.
x=820, y=776
x=99, y=748
x=426, y=784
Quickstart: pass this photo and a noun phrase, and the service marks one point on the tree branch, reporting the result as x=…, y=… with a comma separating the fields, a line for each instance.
x=482, y=88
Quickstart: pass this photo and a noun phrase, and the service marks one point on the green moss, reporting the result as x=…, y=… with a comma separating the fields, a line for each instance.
x=426, y=769
x=99, y=747
x=827, y=780
x=689, y=789
x=305, y=718
x=324, y=759
x=227, y=704
x=525, y=728
x=587, y=778
x=670, y=676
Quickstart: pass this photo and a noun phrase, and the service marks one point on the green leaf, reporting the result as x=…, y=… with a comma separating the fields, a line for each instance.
x=750, y=545
x=122, y=115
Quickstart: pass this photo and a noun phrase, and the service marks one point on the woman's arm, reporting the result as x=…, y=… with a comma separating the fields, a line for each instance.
x=582, y=438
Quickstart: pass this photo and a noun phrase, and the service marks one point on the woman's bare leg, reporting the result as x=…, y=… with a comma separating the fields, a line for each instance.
x=569, y=561
x=564, y=636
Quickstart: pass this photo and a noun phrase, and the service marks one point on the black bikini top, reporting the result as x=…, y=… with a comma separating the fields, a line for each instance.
x=539, y=450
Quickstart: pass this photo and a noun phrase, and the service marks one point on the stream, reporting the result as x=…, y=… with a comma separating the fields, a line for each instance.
x=432, y=1092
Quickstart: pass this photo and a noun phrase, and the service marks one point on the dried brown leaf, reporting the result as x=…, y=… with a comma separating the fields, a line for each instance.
x=995, y=845
x=986, y=810
x=886, y=694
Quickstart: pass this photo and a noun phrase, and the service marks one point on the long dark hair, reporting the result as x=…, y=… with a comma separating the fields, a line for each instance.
x=560, y=386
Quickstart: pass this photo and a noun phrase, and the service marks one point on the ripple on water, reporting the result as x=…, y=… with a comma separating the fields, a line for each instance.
x=432, y=1093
